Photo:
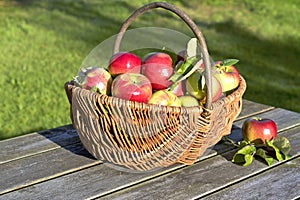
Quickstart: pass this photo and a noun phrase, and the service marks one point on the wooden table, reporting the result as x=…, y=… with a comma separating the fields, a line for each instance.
x=52, y=164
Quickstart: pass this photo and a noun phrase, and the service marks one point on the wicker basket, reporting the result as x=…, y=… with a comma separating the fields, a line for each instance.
x=143, y=137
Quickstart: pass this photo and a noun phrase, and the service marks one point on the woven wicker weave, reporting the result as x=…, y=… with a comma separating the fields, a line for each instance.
x=143, y=137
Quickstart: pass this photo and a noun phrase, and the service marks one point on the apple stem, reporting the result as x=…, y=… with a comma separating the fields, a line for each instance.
x=257, y=118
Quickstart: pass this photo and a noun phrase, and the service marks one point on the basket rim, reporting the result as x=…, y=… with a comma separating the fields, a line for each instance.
x=239, y=91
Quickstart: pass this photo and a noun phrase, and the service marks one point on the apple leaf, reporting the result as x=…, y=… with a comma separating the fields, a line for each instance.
x=263, y=154
x=183, y=68
x=244, y=156
x=243, y=144
x=283, y=144
x=277, y=150
x=229, y=62
x=191, y=49
x=248, y=159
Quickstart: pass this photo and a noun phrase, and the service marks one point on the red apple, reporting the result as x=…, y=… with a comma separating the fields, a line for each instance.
x=228, y=76
x=179, y=89
x=194, y=87
x=164, y=97
x=94, y=78
x=181, y=56
x=124, y=62
x=157, y=67
x=258, y=130
x=133, y=87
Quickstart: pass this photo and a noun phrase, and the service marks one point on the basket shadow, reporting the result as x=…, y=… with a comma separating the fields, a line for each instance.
x=67, y=138
x=223, y=148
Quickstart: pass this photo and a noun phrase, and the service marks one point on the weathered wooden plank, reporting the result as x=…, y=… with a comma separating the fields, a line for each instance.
x=204, y=178
x=79, y=185
x=280, y=183
x=40, y=167
x=250, y=108
x=105, y=180
x=35, y=143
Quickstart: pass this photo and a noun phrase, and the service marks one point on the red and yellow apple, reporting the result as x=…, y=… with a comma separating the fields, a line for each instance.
x=133, y=87
x=94, y=78
x=228, y=76
x=165, y=98
x=194, y=87
x=157, y=67
x=258, y=130
x=124, y=62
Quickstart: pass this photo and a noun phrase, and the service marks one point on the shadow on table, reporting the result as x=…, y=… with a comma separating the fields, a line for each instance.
x=222, y=147
x=67, y=138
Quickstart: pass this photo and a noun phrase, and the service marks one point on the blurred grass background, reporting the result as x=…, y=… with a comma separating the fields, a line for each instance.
x=43, y=43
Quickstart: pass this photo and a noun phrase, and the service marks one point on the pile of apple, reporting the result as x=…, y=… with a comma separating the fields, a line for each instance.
x=157, y=79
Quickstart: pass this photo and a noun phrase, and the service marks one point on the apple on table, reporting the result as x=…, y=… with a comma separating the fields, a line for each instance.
x=133, y=87
x=258, y=130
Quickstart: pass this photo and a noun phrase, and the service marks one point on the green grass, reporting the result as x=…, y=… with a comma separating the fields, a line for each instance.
x=43, y=43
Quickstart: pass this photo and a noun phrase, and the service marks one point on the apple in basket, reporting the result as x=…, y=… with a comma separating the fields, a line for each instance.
x=165, y=98
x=188, y=101
x=181, y=56
x=157, y=67
x=228, y=75
x=133, y=87
x=195, y=86
x=94, y=78
x=124, y=62
x=179, y=89
x=258, y=130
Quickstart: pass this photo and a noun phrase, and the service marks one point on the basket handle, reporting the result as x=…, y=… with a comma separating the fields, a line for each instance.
x=193, y=27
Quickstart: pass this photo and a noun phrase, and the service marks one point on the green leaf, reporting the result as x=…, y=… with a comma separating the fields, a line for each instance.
x=191, y=49
x=243, y=160
x=263, y=154
x=244, y=156
x=243, y=144
x=229, y=62
x=283, y=144
x=182, y=69
x=248, y=159
x=278, y=154
x=248, y=149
